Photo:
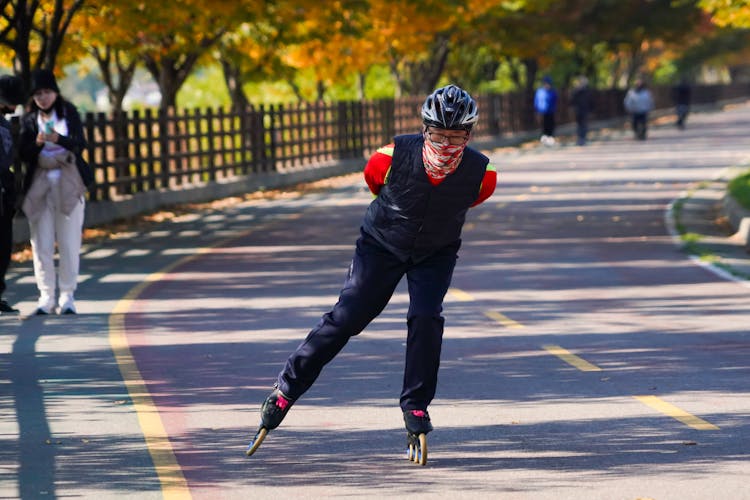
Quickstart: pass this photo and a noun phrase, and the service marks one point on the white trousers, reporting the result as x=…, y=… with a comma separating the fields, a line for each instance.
x=54, y=226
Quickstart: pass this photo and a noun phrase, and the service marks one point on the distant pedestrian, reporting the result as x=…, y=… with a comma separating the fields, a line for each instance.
x=11, y=95
x=639, y=102
x=681, y=97
x=583, y=103
x=545, y=103
x=54, y=186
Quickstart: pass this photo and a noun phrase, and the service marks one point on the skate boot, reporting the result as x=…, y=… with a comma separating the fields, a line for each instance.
x=273, y=411
x=417, y=426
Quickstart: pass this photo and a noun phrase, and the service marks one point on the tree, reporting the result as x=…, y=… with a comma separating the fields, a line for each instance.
x=34, y=30
x=172, y=37
x=330, y=42
x=253, y=50
x=103, y=30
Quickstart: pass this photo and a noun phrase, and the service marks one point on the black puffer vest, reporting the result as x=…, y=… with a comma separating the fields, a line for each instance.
x=411, y=217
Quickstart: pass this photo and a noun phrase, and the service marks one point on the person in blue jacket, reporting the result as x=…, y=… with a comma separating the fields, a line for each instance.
x=545, y=103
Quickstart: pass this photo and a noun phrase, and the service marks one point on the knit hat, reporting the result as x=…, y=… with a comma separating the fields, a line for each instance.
x=11, y=90
x=43, y=79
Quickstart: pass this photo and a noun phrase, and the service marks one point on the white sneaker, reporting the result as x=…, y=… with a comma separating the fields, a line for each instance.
x=44, y=305
x=67, y=303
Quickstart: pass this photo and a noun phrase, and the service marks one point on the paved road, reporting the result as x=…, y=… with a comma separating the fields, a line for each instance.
x=586, y=356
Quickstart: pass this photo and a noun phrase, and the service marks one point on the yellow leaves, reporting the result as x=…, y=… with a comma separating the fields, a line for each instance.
x=731, y=13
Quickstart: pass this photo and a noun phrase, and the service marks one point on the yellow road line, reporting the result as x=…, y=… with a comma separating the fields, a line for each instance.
x=173, y=483
x=503, y=319
x=460, y=295
x=677, y=413
x=571, y=358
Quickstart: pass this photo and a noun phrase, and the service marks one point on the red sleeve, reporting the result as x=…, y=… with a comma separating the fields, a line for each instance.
x=488, y=185
x=376, y=170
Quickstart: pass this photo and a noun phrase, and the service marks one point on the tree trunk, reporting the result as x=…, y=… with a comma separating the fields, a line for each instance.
x=361, y=81
x=531, y=67
x=421, y=78
x=233, y=80
x=171, y=71
x=321, y=88
x=50, y=29
x=116, y=74
x=296, y=89
x=169, y=74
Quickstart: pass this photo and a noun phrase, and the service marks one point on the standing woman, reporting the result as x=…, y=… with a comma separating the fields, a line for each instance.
x=54, y=185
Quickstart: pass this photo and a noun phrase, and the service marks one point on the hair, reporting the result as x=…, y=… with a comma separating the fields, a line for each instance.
x=58, y=105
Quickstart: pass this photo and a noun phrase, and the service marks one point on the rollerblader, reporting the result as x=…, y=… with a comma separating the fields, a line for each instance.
x=424, y=185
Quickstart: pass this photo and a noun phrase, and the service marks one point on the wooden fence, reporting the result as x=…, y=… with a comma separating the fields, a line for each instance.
x=148, y=150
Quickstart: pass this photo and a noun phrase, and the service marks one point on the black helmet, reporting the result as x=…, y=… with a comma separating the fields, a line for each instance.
x=451, y=108
x=11, y=90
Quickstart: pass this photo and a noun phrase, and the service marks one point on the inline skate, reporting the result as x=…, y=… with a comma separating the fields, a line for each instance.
x=273, y=411
x=417, y=426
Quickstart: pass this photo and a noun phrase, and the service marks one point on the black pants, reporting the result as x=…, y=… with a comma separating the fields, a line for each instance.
x=682, y=112
x=373, y=276
x=6, y=241
x=640, y=121
x=548, y=124
x=582, y=127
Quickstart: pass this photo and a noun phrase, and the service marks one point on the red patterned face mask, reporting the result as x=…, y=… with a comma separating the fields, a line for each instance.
x=440, y=159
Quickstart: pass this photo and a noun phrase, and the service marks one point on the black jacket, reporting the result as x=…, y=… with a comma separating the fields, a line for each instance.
x=411, y=217
x=74, y=142
x=7, y=157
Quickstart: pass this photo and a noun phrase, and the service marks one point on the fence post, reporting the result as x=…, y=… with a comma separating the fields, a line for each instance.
x=257, y=149
x=120, y=148
x=101, y=126
x=137, y=161
x=148, y=170
x=211, y=139
x=95, y=193
x=273, y=112
x=164, y=142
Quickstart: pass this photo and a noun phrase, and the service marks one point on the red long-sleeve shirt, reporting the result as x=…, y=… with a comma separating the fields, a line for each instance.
x=379, y=164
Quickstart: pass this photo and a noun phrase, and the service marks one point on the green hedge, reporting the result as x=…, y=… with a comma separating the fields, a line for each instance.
x=739, y=188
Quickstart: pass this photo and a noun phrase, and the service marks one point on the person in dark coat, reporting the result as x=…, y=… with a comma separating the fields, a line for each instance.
x=583, y=103
x=11, y=96
x=681, y=97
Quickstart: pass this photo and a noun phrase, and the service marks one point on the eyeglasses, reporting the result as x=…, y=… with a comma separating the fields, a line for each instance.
x=453, y=140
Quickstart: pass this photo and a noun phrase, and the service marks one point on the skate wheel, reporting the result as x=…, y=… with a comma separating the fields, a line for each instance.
x=411, y=452
x=257, y=440
x=421, y=457
x=417, y=448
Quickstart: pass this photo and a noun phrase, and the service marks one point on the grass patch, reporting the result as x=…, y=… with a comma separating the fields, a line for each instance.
x=739, y=188
x=690, y=238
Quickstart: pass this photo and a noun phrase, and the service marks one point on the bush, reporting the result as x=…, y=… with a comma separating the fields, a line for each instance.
x=739, y=188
